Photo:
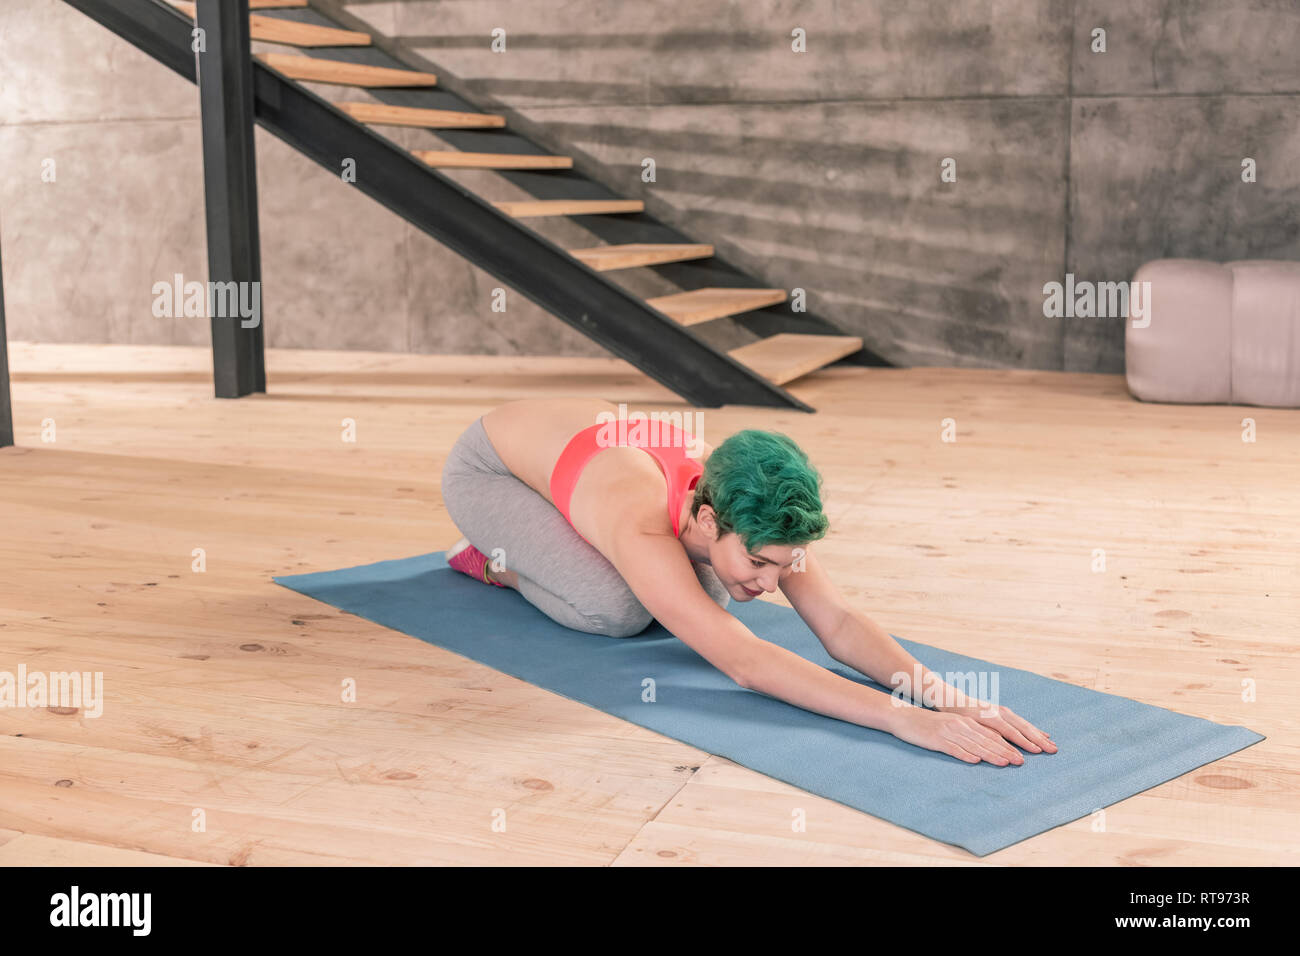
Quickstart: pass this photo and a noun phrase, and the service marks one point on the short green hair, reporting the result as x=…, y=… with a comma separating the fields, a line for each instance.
x=763, y=488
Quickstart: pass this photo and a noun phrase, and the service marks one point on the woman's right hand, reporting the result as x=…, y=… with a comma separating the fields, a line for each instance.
x=961, y=737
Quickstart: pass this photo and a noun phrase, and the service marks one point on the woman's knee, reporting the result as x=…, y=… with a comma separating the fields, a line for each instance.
x=620, y=614
x=628, y=624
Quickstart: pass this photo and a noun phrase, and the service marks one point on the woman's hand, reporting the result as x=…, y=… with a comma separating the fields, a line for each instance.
x=1005, y=722
x=957, y=735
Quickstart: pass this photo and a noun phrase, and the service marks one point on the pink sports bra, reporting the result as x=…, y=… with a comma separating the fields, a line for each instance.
x=681, y=471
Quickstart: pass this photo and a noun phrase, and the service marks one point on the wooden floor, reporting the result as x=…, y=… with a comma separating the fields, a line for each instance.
x=223, y=689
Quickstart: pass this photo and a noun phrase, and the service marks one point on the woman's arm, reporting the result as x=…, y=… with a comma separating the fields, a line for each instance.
x=865, y=646
x=852, y=638
x=658, y=571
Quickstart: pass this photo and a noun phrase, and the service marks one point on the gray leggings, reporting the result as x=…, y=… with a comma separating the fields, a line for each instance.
x=559, y=573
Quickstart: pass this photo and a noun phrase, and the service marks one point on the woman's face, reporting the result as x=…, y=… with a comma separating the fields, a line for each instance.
x=746, y=574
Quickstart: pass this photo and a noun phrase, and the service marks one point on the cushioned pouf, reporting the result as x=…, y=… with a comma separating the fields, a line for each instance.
x=1266, y=333
x=1216, y=334
x=1182, y=355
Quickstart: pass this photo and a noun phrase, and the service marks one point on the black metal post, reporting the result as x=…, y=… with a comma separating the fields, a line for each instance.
x=225, y=75
x=537, y=268
x=6, y=408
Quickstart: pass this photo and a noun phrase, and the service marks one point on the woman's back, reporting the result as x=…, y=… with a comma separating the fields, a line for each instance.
x=529, y=436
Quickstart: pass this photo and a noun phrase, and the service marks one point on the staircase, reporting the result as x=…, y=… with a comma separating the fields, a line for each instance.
x=658, y=334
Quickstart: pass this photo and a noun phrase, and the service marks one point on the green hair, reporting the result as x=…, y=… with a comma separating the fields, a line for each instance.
x=763, y=488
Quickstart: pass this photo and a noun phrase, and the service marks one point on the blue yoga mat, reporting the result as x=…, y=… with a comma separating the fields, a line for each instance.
x=1110, y=747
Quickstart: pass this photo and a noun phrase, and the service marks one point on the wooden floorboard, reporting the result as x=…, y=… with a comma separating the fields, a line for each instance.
x=29, y=850
x=222, y=689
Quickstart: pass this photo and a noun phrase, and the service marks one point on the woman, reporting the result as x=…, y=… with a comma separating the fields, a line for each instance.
x=575, y=521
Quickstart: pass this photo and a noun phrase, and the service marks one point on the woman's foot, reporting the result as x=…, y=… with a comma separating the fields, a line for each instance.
x=467, y=559
x=506, y=579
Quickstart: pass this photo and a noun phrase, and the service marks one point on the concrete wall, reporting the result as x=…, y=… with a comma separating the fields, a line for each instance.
x=125, y=210
x=817, y=169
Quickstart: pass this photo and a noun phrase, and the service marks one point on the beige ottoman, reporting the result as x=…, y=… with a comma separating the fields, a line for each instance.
x=1217, y=334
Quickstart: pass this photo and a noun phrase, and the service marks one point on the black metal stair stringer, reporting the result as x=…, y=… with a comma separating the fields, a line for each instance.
x=714, y=271
x=662, y=348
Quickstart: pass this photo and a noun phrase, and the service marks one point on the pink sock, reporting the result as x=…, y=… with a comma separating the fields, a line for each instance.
x=473, y=562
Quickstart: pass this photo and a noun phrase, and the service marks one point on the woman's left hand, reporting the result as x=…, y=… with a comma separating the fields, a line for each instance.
x=1007, y=722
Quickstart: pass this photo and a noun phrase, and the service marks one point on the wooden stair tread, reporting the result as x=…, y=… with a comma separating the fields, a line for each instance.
x=633, y=254
x=701, y=305
x=786, y=356
x=385, y=115
x=457, y=159
x=316, y=70
x=292, y=33
x=289, y=32
x=256, y=4
x=568, y=207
